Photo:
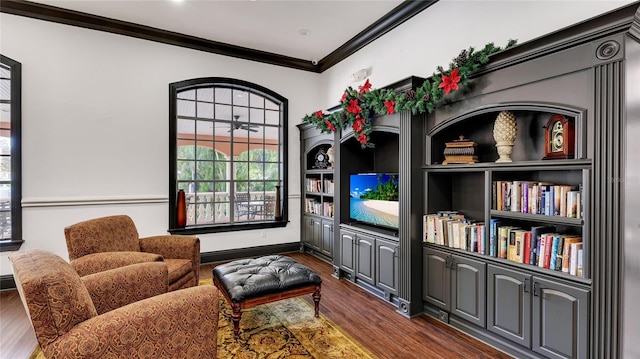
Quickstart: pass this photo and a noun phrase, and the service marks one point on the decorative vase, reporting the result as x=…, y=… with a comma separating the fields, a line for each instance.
x=330, y=155
x=504, y=133
x=278, y=210
x=181, y=210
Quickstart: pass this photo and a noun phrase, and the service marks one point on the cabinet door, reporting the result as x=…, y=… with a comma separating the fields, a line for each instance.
x=509, y=304
x=387, y=265
x=316, y=236
x=365, y=257
x=468, y=298
x=436, y=277
x=560, y=320
x=347, y=246
x=307, y=231
x=326, y=245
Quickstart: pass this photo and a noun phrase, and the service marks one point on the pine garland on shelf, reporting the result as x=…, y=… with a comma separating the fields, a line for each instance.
x=359, y=106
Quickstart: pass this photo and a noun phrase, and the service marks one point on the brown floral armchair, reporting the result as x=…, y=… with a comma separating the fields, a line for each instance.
x=110, y=242
x=119, y=313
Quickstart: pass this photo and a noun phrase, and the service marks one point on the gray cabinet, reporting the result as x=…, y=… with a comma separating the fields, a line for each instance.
x=509, y=304
x=387, y=266
x=455, y=284
x=543, y=315
x=560, y=319
x=365, y=258
x=326, y=239
x=312, y=232
x=347, y=252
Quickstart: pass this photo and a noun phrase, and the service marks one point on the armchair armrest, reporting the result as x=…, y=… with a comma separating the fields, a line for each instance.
x=175, y=247
x=172, y=325
x=102, y=261
x=118, y=287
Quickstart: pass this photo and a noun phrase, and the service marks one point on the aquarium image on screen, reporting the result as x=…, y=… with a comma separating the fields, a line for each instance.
x=374, y=199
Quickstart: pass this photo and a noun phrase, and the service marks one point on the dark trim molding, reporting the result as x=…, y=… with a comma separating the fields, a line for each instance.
x=395, y=17
x=231, y=254
x=390, y=21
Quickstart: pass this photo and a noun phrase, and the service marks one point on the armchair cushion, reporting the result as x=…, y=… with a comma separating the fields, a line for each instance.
x=118, y=287
x=106, y=234
x=54, y=296
x=102, y=261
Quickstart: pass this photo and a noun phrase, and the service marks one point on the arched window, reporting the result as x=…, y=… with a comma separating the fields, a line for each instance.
x=228, y=153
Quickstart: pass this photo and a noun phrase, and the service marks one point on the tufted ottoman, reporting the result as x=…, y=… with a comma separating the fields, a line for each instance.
x=247, y=283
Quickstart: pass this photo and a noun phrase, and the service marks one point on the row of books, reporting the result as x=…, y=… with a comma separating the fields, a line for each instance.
x=316, y=185
x=540, y=246
x=537, y=198
x=314, y=206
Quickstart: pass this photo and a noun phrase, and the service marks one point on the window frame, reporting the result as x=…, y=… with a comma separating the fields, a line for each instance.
x=235, y=84
x=16, y=240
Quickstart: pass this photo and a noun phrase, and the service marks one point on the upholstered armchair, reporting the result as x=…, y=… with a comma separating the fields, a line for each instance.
x=110, y=242
x=73, y=318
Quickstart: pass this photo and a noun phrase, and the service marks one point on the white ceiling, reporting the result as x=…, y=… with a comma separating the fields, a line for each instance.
x=266, y=25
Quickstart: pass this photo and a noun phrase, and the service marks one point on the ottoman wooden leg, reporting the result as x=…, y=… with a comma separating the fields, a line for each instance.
x=235, y=317
x=316, y=300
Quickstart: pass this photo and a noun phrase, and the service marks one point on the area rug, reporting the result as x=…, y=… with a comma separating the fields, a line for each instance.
x=283, y=329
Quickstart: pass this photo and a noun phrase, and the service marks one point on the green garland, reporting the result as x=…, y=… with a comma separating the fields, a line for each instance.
x=359, y=106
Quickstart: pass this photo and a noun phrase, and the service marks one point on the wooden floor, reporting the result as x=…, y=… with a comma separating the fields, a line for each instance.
x=365, y=317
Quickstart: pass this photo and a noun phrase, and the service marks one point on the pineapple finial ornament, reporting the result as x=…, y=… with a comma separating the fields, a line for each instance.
x=504, y=133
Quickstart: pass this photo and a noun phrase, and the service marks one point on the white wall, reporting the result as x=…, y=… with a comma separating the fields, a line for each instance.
x=95, y=112
x=437, y=35
x=95, y=128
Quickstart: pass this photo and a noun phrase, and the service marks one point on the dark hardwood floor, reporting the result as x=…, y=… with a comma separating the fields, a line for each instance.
x=365, y=317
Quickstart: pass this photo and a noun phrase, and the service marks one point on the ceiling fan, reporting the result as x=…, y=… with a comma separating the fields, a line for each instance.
x=235, y=125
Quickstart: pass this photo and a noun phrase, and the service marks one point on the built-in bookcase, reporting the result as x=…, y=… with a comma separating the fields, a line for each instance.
x=481, y=222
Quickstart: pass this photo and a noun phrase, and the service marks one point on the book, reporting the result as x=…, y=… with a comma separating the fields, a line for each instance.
x=503, y=241
x=482, y=239
x=559, y=254
x=516, y=196
x=526, y=253
x=493, y=237
x=546, y=242
x=553, y=254
x=579, y=265
x=568, y=241
x=573, y=257
x=536, y=232
x=518, y=245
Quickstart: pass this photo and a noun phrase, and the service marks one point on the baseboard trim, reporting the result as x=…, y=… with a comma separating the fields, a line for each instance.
x=7, y=282
x=231, y=254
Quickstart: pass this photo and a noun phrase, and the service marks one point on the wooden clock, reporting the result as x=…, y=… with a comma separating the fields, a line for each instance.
x=559, y=138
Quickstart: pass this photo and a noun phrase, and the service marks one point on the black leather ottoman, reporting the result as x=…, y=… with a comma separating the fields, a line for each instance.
x=247, y=283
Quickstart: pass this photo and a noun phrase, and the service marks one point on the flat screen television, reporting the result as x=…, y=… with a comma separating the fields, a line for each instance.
x=373, y=199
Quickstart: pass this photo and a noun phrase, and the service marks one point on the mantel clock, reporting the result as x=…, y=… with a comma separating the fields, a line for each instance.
x=559, y=138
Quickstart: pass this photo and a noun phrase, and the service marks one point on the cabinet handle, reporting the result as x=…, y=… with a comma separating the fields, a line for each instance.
x=453, y=264
x=535, y=289
x=395, y=252
x=447, y=263
x=525, y=287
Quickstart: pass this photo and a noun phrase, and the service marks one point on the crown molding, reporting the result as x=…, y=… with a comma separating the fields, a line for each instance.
x=395, y=17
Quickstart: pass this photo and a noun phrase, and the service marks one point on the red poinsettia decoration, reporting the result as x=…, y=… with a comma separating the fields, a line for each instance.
x=450, y=82
x=365, y=88
x=358, y=123
x=330, y=125
x=354, y=107
x=362, y=139
x=319, y=114
x=344, y=96
x=390, y=105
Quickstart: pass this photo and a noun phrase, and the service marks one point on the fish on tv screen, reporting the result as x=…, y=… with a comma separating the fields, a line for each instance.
x=374, y=199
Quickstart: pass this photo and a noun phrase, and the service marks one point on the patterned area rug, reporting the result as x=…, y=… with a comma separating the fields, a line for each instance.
x=283, y=329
